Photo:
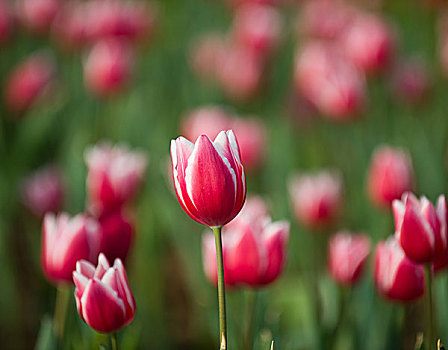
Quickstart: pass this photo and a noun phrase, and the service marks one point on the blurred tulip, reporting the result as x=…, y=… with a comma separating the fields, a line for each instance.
x=209, y=178
x=205, y=55
x=103, y=296
x=347, y=255
x=329, y=81
x=420, y=228
x=6, y=21
x=114, y=175
x=43, y=191
x=390, y=175
x=369, y=43
x=108, y=67
x=254, y=248
x=117, y=235
x=38, y=15
x=28, y=81
x=397, y=277
x=316, y=198
x=66, y=240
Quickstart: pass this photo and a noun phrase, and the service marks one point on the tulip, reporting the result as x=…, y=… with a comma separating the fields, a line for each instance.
x=209, y=178
x=108, y=67
x=115, y=174
x=347, y=255
x=390, y=175
x=66, y=240
x=421, y=228
x=396, y=276
x=316, y=198
x=43, y=191
x=6, y=21
x=38, y=15
x=205, y=55
x=103, y=297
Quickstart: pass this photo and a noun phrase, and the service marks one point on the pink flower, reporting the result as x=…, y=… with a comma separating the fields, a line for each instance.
x=397, y=277
x=66, y=240
x=420, y=228
x=316, y=198
x=347, y=255
x=38, y=15
x=115, y=174
x=205, y=55
x=43, y=191
x=209, y=178
x=6, y=21
x=103, y=297
x=390, y=175
x=254, y=248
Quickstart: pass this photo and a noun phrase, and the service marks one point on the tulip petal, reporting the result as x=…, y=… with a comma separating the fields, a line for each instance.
x=103, y=266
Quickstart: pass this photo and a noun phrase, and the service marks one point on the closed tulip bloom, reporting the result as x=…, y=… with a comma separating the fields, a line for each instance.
x=66, y=240
x=43, y=191
x=347, y=255
x=6, y=21
x=390, y=175
x=396, y=276
x=209, y=178
x=421, y=228
x=38, y=15
x=316, y=198
x=103, y=297
x=205, y=55
x=115, y=174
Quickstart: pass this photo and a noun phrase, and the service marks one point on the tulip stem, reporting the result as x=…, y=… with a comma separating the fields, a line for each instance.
x=221, y=290
x=113, y=341
x=429, y=309
x=60, y=311
x=251, y=307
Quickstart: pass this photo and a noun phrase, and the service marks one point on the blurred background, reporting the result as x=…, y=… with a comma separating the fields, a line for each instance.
x=307, y=86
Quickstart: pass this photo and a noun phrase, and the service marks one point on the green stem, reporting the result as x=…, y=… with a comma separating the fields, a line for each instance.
x=60, y=311
x=221, y=290
x=113, y=341
x=429, y=309
x=251, y=306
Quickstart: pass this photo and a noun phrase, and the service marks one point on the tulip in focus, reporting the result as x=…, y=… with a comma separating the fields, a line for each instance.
x=209, y=178
x=43, y=191
x=103, y=296
x=316, y=198
x=421, y=228
x=347, y=255
x=38, y=15
x=390, y=175
x=66, y=240
x=114, y=176
x=396, y=276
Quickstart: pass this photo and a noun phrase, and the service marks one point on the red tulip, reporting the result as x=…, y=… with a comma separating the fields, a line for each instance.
x=347, y=255
x=38, y=15
x=254, y=248
x=66, y=240
x=397, y=277
x=205, y=55
x=43, y=191
x=103, y=297
x=316, y=198
x=6, y=21
x=115, y=174
x=209, y=178
x=390, y=175
x=421, y=228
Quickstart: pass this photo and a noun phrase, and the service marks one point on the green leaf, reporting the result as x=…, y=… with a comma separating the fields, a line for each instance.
x=46, y=339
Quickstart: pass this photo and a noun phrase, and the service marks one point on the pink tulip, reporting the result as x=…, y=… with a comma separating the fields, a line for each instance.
x=66, y=240
x=115, y=174
x=6, y=21
x=329, y=81
x=108, y=67
x=28, y=81
x=103, y=296
x=390, y=175
x=38, y=15
x=205, y=55
x=347, y=255
x=397, y=277
x=316, y=198
x=421, y=229
x=43, y=191
x=254, y=248
x=209, y=178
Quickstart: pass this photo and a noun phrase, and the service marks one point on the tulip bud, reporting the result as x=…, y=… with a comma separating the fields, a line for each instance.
x=316, y=198
x=209, y=178
x=421, y=228
x=103, y=297
x=43, y=191
x=28, y=82
x=66, y=240
x=397, y=277
x=38, y=15
x=390, y=175
x=205, y=55
x=6, y=21
x=108, y=67
x=114, y=175
x=347, y=255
